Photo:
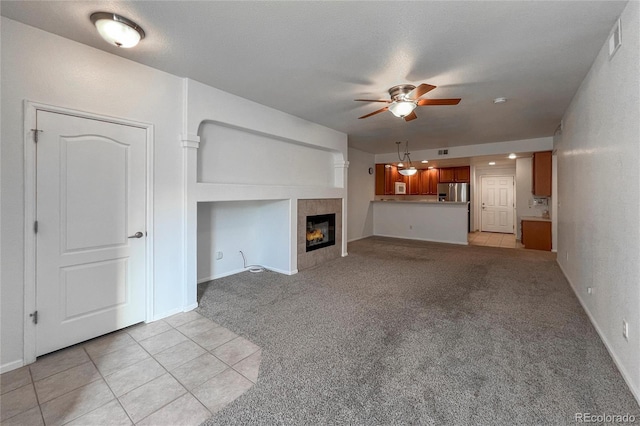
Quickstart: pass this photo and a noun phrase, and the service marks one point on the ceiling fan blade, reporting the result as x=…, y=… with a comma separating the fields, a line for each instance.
x=419, y=91
x=454, y=101
x=374, y=112
x=411, y=116
x=374, y=100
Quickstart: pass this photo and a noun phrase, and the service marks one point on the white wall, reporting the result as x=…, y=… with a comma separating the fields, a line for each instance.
x=438, y=222
x=361, y=192
x=262, y=160
x=255, y=227
x=42, y=67
x=599, y=196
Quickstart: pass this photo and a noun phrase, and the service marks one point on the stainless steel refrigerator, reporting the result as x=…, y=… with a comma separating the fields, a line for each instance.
x=453, y=192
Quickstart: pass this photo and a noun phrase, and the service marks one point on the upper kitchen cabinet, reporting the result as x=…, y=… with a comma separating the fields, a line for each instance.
x=455, y=174
x=386, y=177
x=413, y=184
x=428, y=182
x=541, y=179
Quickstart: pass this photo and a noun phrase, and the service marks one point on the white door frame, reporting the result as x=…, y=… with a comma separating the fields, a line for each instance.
x=30, y=109
x=479, y=204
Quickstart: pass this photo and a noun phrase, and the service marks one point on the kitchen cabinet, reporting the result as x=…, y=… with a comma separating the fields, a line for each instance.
x=455, y=174
x=541, y=174
x=428, y=182
x=536, y=234
x=413, y=184
x=386, y=177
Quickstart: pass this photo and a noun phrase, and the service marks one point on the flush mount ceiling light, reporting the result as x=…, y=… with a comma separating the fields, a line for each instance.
x=409, y=170
x=116, y=29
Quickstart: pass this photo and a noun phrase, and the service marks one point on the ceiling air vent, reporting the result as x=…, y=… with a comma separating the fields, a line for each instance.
x=443, y=152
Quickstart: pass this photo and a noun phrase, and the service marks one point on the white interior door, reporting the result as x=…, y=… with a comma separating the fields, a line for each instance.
x=497, y=204
x=91, y=198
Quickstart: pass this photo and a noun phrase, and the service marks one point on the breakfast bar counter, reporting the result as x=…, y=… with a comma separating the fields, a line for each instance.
x=439, y=221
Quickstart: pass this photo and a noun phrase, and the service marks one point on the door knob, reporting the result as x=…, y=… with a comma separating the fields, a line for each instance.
x=136, y=235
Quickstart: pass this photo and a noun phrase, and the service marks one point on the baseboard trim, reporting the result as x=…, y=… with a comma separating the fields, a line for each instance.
x=13, y=365
x=282, y=271
x=466, y=243
x=359, y=238
x=625, y=375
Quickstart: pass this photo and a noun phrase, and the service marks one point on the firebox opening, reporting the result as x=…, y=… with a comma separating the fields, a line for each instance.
x=321, y=231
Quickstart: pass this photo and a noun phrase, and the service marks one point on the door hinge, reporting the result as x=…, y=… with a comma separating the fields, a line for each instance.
x=35, y=226
x=34, y=317
x=35, y=134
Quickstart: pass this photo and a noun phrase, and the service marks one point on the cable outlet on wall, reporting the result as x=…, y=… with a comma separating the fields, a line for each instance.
x=219, y=255
x=625, y=329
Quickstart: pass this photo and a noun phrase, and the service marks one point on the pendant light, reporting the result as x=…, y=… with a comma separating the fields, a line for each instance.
x=405, y=169
x=116, y=29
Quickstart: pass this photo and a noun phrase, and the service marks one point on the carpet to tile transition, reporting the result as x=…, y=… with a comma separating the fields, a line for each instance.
x=402, y=332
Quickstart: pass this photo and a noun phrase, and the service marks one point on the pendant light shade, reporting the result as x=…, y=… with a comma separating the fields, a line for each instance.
x=117, y=30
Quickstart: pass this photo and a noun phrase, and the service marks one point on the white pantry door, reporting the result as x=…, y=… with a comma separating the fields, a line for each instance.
x=497, y=204
x=91, y=198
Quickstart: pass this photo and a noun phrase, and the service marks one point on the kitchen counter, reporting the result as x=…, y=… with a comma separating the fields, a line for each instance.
x=391, y=200
x=535, y=218
x=438, y=221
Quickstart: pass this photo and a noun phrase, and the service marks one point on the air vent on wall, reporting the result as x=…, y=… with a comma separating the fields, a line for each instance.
x=615, y=39
x=443, y=152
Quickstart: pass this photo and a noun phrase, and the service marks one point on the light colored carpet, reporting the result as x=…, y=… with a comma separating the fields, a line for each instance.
x=407, y=332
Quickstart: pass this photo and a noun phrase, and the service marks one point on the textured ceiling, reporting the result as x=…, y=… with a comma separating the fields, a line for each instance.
x=311, y=59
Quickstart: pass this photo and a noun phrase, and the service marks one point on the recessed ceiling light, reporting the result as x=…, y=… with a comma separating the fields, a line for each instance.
x=424, y=161
x=430, y=167
x=492, y=163
x=499, y=100
x=116, y=29
x=512, y=156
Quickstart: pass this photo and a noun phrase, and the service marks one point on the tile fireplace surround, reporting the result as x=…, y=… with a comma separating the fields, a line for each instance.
x=313, y=208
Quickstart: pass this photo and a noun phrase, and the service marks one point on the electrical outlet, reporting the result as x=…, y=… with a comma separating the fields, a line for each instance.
x=219, y=255
x=625, y=330
x=566, y=255
x=589, y=290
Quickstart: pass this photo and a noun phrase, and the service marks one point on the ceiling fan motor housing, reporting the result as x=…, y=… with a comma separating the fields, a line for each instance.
x=399, y=92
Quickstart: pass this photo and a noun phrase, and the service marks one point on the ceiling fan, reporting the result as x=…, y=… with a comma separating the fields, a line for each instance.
x=405, y=98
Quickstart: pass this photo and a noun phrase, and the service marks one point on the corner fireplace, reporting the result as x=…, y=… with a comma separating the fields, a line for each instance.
x=321, y=231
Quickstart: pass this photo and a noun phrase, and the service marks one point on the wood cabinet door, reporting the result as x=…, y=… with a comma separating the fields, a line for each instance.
x=541, y=171
x=390, y=173
x=447, y=175
x=433, y=182
x=413, y=184
x=463, y=174
x=536, y=235
x=380, y=179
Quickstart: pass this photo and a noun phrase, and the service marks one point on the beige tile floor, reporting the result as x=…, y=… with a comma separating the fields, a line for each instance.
x=176, y=371
x=494, y=239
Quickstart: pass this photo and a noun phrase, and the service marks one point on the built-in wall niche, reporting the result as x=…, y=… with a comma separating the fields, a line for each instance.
x=261, y=229
x=238, y=156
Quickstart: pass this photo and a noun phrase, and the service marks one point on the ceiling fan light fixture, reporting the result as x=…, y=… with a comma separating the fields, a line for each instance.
x=402, y=108
x=117, y=30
